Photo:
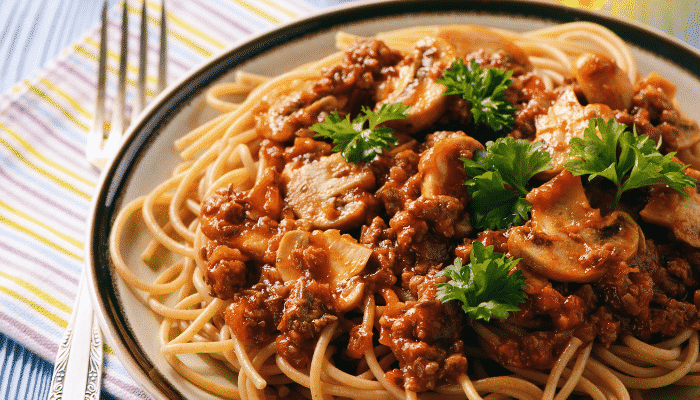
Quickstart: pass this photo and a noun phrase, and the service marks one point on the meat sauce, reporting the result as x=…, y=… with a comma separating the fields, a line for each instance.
x=403, y=215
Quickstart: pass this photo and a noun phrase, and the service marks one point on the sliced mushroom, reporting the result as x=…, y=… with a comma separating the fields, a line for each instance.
x=679, y=213
x=292, y=115
x=602, y=81
x=566, y=119
x=330, y=192
x=568, y=241
x=442, y=169
x=327, y=257
x=416, y=84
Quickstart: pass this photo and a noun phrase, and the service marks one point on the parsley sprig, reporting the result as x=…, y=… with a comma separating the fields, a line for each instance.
x=499, y=181
x=484, y=89
x=353, y=139
x=628, y=160
x=485, y=286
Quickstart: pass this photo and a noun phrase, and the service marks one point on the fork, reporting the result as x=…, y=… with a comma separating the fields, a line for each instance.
x=77, y=371
x=101, y=148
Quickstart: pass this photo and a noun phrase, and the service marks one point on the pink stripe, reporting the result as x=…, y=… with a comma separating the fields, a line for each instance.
x=36, y=261
x=122, y=388
x=43, y=277
x=26, y=195
x=27, y=337
x=134, y=54
x=47, y=131
x=41, y=196
x=81, y=92
x=230, y=22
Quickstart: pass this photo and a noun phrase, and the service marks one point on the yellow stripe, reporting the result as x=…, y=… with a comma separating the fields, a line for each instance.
x=280, y=8
x=178, y=21
x=38, y=292
x=44, y=172
x=76, y=104
x=57, y=106
x=48, y=162
x=38, y=237
x=57, y=320
x=258, y=11
x=190, y=43
x=73, y=241
x=114, y=71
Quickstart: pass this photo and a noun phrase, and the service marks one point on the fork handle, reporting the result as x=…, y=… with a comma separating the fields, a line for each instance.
x=79, y=357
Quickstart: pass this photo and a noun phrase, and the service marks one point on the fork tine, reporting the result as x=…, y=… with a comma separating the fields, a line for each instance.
x=117, y=128
x=140, y=101
x=96, y=136
x=163, y=52
x=98, y=151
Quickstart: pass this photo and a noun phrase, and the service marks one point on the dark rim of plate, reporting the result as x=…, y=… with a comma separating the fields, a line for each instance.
x=107, y=201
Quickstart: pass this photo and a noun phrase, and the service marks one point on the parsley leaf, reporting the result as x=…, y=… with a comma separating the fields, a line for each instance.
x=485, y=286
x=499, y=181
x=628, y=160
x=357, y=142
x=484, y=89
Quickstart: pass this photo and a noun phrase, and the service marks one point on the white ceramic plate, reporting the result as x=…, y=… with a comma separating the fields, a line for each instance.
x=148, y=156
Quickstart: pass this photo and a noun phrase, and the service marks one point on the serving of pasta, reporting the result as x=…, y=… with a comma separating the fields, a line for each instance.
x=443, y=211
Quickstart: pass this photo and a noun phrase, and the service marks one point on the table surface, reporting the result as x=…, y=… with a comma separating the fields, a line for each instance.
x=33, y=32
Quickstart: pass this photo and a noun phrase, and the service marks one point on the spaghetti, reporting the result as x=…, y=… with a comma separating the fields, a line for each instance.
x=230, y=292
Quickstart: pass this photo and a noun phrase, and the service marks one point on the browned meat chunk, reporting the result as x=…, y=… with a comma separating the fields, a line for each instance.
x=680, y=214
x=305, y=315
x=425, y=337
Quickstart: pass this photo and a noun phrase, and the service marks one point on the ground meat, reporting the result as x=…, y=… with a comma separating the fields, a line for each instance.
x=343, y=88
x=306, y=314
x=425, y=336
x=226, y=271
x=655, y=114
x=365, y=64
x=249, y=221
x=532, y=99
x=255, y=312
x=644, y=299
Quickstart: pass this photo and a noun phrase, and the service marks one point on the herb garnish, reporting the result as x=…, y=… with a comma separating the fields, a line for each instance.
x=625, y=158
x=356, y=142
x=485, y=286
x=484, y=89
x=499, y=181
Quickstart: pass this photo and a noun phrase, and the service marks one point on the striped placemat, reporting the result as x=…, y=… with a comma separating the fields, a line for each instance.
x=46, y=184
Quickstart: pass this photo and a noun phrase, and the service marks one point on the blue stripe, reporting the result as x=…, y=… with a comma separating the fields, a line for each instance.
x=19, y=364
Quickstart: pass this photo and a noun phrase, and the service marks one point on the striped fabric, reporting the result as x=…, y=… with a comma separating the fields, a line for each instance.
x=46, y=184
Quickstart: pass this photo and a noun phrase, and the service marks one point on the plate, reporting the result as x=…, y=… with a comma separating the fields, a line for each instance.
x=147, y=156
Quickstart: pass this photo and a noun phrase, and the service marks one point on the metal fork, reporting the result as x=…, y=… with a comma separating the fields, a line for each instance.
x=77, y=371
x=99, y=148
